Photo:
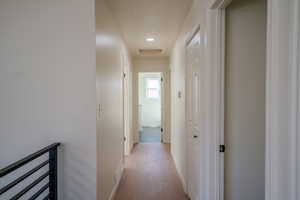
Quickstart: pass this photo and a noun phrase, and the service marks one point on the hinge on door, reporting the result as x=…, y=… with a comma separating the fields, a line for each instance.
x=161, y=130
x=222, y=148
x=124, y=75
x=161, y=79
x=124, y=138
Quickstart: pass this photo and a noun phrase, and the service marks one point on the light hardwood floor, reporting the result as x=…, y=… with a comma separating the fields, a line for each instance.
x=150, y=174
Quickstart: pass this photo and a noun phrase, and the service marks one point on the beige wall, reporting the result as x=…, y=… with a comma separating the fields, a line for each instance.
x=178, y=140
x=47, y=87
x=197, y=16
x=110, y=47
x=245, y=100
x=151, y=65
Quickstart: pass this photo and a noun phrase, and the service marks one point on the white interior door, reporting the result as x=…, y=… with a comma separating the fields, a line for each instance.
x=162, y=107
x=193, y=115
x=126, y=125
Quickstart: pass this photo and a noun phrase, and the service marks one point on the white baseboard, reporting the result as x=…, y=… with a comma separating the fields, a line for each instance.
x=119, y=174
x=181, y=177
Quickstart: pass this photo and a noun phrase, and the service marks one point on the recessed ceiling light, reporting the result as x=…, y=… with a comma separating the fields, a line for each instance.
x=150, y=39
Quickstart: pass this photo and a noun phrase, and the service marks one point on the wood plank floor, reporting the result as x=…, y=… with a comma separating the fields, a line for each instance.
x=150, y=174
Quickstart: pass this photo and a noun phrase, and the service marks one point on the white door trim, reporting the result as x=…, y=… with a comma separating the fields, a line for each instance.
x=165, y=76
x=282, y=103
x=282, y=98
x=162, y=109
x=126, y=105
x=220, y=4
x=216, y=34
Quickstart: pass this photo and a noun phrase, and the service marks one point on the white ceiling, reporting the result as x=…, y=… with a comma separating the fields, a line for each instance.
x=139, y=19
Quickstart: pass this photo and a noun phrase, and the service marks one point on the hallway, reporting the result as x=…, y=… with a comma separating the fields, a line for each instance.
x=150, y=100
x=150, y=174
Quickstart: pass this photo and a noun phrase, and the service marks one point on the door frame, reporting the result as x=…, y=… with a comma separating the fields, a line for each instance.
x=282, y=169
x=282, y=103
x=164, y=99
x=162, y=106
x=126, y=105
x=217, y=32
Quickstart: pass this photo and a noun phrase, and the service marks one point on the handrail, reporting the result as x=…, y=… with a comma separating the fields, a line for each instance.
x=23, y=177
x=10, y=168
x=51, y=173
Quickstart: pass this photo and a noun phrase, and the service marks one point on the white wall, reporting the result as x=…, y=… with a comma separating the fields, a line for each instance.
x=47, y=86
x=151, y=108
x=178, y=140
x=109, y=50
x=196, y=16
x=245, y=73
x=152, y=65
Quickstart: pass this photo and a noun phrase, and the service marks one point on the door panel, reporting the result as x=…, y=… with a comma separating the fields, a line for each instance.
x=126, y=125
x=193, y=116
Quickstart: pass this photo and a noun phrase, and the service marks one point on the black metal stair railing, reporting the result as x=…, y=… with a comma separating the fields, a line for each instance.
x=51, y=174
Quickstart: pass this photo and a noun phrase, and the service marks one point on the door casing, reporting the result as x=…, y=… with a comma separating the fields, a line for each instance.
x=164, y=103
x=282, y=99
x=126, y=106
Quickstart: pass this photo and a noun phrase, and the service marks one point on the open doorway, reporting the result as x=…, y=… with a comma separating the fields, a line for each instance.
x=150, y=107
x=245, y=77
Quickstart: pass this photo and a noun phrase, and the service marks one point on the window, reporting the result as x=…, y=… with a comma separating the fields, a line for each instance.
x=152, y=89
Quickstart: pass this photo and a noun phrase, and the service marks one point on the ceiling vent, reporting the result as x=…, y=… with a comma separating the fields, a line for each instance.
x=150, y=52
